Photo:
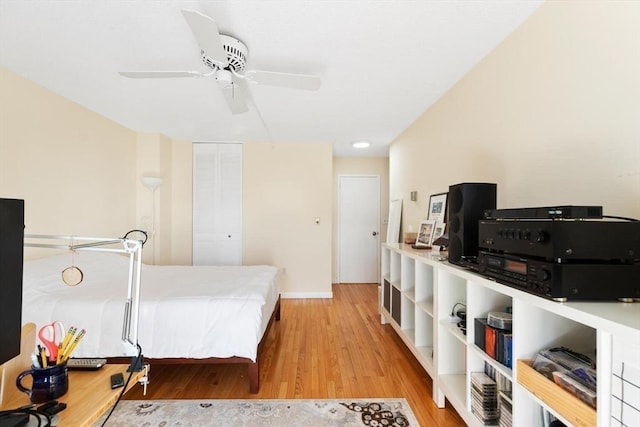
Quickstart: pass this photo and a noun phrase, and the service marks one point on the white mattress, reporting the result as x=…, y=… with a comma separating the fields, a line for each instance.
x=185, y=311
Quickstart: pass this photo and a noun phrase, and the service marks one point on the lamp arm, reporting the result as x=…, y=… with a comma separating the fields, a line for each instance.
x=132, y=310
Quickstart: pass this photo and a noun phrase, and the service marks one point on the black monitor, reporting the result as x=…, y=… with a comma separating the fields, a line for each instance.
x=11, y=259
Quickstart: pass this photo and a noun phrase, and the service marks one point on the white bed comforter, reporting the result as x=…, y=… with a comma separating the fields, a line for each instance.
x=185, y=311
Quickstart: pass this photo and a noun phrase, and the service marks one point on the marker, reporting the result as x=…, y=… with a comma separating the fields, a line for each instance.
x=35, y=361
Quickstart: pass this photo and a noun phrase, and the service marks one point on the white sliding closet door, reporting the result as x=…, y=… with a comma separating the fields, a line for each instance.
x=217, y=204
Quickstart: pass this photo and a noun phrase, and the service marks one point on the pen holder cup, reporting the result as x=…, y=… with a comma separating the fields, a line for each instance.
x=48, y=383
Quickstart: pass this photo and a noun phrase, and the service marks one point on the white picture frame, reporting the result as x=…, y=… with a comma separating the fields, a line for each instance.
x=437, y=209
x=425, y=233
x=393, y=225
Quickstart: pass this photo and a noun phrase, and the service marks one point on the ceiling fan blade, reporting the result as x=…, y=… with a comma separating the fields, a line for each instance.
x=294, y=81
x=207, y=35
x=159, y=74
x=235, y=94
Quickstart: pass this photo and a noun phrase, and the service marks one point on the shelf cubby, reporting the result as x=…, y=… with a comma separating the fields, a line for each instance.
x=407, y=274
x=396, y=304
x=407, y=313
x=386, y=294
x=424, y=329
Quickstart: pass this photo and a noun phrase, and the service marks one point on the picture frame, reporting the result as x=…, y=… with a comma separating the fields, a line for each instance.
x=437, y=209
x=393, y=225
x=425, y=233
x=438, y=231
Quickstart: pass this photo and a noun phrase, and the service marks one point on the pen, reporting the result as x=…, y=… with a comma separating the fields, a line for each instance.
x=43, y=357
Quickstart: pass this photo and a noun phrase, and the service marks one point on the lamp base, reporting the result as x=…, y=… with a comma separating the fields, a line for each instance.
x=137, y=364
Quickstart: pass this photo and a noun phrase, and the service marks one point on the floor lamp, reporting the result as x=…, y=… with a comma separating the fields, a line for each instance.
x=152, y=183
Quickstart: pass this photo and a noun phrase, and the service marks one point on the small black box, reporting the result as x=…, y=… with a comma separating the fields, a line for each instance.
x=479, y=332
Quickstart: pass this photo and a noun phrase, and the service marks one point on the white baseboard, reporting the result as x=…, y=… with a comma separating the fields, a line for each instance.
x=306, y=295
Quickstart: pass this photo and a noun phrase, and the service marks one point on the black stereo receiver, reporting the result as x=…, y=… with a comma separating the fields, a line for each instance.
x=562, y=240
x=548, y=212
x=560, y=282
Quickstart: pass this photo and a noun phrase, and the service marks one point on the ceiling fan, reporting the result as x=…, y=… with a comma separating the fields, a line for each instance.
x=226, y=56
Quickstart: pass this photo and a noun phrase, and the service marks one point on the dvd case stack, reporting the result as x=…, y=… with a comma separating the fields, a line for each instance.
x=494, y=336
x=484, y=398
x=504, y=395
x=504, y=409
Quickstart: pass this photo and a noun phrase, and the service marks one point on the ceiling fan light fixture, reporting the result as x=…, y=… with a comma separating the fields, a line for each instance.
x=361, y=144
x=224, y=76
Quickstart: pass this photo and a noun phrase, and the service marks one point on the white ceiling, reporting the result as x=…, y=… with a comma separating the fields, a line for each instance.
x=382, y=62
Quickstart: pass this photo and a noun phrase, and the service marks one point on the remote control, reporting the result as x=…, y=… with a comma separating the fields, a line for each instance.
x=89, y=364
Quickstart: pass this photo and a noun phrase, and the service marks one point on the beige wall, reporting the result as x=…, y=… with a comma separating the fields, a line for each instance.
x=182, y=202
x=359, y=166
x=551, y=116
x=285, y=187
x=154, y=156
x=75, y=169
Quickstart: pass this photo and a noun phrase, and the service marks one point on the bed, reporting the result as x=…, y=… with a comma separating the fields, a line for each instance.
x=188, y=314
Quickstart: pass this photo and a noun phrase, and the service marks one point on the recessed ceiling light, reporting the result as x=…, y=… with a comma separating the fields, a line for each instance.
x=361, y=144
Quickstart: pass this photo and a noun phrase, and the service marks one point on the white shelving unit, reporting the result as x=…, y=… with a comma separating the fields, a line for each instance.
x=418, y=292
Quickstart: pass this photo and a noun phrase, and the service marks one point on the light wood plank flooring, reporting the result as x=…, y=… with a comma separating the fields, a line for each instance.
x=321, y=348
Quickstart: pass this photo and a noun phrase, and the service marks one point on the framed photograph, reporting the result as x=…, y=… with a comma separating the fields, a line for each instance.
x=437, y=207
x=438, y=231
x=425, y=233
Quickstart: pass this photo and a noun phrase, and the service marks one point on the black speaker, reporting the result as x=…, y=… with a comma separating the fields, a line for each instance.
x=467, y=203
x=11, y=258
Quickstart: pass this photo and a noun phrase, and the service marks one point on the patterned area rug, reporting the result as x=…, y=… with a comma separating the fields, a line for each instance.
x=250, y=412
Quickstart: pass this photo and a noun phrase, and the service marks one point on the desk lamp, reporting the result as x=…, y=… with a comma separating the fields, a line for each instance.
x=133, y=248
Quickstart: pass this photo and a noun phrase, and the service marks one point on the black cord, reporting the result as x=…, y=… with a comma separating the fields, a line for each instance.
x=619, y=217
x=137, y=231
x=126, y=385
x=453, y=309
x=31, y=412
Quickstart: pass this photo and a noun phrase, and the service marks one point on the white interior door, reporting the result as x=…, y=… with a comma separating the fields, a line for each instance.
x=217, y=204
x=358, y=228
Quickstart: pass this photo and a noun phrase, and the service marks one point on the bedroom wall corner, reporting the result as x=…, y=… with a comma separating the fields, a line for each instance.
x=286, y=186
x=74, y=168
x=154, y=211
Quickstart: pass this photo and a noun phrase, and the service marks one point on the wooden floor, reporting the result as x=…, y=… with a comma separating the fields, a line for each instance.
x=321, y=348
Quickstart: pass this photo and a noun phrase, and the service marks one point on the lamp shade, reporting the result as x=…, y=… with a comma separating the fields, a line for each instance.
x=151, y=182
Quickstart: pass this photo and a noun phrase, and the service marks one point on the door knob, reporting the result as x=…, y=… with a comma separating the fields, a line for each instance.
x=375, y=233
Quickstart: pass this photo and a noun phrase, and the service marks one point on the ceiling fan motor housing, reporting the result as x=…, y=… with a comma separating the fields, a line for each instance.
x=236, y=54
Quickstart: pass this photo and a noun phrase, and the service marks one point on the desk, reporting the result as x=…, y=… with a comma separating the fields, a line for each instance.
x=89, y=396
